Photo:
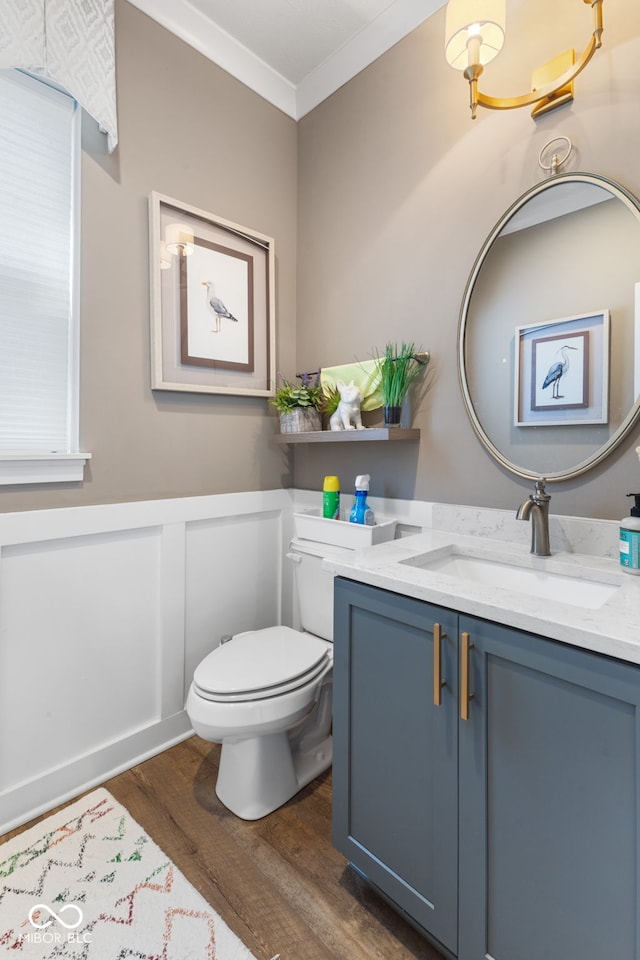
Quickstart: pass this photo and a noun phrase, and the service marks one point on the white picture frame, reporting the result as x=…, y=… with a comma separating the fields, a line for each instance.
x=212, y=303
x=570, y=354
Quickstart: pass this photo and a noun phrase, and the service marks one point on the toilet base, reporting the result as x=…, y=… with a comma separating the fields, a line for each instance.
x=258, y=775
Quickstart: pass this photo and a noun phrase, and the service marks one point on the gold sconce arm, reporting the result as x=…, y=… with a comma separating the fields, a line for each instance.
x=553, y=92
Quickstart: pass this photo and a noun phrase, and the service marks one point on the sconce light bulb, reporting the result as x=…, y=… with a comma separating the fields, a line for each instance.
x=474, y=43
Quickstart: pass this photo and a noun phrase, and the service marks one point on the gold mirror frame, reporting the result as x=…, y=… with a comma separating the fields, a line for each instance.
x=633, y=416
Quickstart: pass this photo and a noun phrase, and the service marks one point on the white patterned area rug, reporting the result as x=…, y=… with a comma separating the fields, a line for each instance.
x=88, y=884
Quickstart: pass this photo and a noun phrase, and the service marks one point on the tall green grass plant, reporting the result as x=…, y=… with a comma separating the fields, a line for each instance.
x=398, y=370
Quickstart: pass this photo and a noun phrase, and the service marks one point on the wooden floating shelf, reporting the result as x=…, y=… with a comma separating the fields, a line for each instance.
x=348, y=436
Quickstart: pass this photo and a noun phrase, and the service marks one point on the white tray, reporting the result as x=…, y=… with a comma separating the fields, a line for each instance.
x=341, y=533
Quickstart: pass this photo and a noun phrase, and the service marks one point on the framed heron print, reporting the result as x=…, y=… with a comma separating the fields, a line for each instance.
x=212, y=302
x=562, y=371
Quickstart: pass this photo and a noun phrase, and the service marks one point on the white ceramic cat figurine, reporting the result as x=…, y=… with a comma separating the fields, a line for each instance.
x=347, y=415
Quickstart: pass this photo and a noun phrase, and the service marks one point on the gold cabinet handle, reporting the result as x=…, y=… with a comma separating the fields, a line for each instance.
x=438, y=682
x=465, y=696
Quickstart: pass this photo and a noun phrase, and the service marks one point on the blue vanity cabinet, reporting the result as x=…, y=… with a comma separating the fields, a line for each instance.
x=505, y=822
x=395, y=767
x=549, y=800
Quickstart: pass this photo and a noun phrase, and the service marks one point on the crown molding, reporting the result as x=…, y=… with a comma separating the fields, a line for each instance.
x=201, y=33
x=371, y=42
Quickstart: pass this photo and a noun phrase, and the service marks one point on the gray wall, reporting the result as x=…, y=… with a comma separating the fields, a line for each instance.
x=188, y=130
x=398, y=190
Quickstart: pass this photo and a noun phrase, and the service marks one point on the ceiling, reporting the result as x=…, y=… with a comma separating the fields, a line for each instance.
x=294, y=53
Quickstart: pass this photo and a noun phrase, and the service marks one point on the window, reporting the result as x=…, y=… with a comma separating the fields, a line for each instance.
x=39, y=216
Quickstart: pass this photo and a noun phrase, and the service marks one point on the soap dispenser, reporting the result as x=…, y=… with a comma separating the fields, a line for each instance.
x=630, y=538
x=361, y=512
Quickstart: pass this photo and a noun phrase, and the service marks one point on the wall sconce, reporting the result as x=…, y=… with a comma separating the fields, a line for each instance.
x=179, y=239
x=475, y=32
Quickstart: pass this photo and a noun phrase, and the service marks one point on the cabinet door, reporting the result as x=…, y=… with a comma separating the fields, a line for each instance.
x=396, y=752
x=549, y=801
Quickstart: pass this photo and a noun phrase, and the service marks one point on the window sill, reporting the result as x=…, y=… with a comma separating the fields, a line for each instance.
x=18, y=468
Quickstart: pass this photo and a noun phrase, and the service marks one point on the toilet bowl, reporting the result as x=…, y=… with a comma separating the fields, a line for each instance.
x=265, y=695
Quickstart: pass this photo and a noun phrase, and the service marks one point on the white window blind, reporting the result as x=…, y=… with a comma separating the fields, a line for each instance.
x=38, y=217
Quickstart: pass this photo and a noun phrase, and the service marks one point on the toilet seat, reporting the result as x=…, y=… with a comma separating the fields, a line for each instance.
x=259, y=664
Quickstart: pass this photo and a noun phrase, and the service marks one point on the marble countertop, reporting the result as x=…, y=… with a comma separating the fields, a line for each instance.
x=612, y=628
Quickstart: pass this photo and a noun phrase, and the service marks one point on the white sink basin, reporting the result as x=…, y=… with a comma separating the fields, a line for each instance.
x=588, y=590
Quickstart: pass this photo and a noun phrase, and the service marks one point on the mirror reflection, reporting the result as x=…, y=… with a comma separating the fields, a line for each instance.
x=549, y=353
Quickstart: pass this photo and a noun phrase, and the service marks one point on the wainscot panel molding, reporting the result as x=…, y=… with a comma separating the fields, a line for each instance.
x=104, y=613
x=106, y=610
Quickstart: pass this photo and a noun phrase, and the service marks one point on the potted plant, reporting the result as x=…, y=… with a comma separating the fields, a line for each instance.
x=399, y=367
x=299, y=406
x=329, y=400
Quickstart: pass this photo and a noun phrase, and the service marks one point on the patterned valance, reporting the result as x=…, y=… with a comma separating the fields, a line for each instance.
x=72, y=43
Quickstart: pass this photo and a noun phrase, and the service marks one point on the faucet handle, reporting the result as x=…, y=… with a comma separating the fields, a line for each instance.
x=540, y=492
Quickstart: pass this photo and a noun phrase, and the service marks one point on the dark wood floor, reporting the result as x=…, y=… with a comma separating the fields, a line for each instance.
x=277, y=882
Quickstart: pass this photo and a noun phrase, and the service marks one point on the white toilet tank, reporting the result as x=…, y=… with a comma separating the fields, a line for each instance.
x=314, y=586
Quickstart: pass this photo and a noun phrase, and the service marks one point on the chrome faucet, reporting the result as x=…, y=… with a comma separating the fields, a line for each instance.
x=536, y=509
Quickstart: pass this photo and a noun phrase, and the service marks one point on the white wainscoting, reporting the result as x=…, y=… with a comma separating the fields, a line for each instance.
x=104, y=613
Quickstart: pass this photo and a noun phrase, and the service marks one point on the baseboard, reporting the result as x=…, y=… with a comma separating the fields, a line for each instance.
x=32, y=798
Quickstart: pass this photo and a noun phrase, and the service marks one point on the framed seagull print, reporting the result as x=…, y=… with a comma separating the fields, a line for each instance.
x=562, y=371
x=212, y=299
x=216, y=323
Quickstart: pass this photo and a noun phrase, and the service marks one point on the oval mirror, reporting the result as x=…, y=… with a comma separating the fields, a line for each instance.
x=549, y=332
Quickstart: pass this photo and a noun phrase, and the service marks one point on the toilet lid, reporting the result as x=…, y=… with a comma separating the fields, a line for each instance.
x=259, y=664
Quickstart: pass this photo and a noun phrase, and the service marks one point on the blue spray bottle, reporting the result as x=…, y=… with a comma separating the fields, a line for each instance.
x=361, y=512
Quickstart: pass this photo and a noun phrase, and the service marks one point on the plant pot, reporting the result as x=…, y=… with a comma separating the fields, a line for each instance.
x=300, y=420
x=392, y=416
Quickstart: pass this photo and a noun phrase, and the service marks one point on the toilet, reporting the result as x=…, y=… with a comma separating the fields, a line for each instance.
x=265, y=695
